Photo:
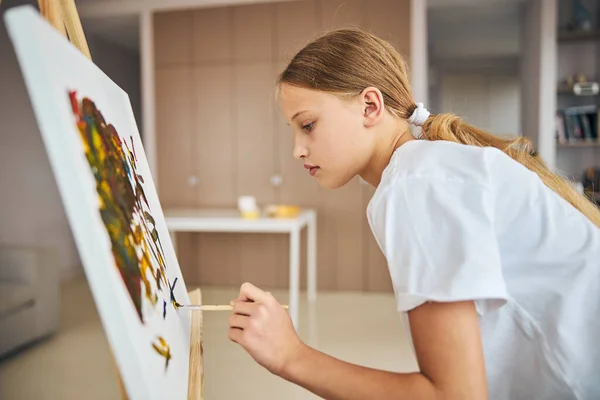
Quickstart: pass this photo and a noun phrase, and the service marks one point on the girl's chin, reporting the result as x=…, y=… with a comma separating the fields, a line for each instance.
x=327, y=182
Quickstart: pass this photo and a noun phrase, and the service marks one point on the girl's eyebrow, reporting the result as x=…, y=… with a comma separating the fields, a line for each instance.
x=298, y=113
x=293, y=117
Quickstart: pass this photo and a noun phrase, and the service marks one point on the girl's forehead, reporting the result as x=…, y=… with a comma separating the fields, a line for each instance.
x=297, y=93
x=295, y=96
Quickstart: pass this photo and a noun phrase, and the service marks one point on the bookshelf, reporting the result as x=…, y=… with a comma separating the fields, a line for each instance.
x=577, y=127
x=565, y=35
x=594, y=143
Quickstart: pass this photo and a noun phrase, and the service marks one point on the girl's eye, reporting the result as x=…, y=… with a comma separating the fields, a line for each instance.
x=308, y=127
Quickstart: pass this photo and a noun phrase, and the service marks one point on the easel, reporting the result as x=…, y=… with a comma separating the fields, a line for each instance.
x=196, y=366
x=63, y=16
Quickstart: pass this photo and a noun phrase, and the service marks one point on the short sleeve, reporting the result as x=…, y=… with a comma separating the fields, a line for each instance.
x=439, y=240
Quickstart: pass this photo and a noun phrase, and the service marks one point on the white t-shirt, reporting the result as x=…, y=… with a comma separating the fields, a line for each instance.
x=459, y=222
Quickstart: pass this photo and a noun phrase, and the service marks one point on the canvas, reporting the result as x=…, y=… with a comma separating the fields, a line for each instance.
x=94, y=147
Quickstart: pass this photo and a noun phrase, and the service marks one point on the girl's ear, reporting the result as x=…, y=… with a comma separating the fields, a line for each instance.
x=372, y=104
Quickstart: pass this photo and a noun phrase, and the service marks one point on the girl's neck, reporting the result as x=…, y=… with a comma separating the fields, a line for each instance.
x=393, y=134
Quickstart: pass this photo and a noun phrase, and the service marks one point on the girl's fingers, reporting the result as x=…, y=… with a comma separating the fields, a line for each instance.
x=249, y=292
x=243, y=307
x=238, y=321
x=235, y=335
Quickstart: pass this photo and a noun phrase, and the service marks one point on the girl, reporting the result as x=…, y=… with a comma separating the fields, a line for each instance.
x=494, y=259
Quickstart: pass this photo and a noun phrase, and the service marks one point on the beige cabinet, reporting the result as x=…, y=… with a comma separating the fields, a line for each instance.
x=220, y=135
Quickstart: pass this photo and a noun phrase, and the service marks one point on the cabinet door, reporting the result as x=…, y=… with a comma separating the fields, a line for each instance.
x=390, y=20
x=213, y=36
x=254, y=97
x=341, y=13
x=215, y=142
x=297, y=24
x=218, y=258
x=261, y=255
x=342, y=230
x=173, y=38
x=174, y=131
x=253, y=32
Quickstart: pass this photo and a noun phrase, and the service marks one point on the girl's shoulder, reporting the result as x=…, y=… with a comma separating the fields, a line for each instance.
x=443, y=161
x=437, y=166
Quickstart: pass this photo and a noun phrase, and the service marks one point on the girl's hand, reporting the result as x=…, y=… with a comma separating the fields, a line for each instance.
x=264, y=329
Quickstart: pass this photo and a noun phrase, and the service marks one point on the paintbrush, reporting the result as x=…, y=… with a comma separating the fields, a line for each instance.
x=204, y=307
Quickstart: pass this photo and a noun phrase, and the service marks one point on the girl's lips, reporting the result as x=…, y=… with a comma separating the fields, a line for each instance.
x=312, y=169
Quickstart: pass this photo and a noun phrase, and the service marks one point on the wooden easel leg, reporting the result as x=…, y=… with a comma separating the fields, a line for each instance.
x=196, y=362
x=73, y=26
x=63, y=16
x=50, y=10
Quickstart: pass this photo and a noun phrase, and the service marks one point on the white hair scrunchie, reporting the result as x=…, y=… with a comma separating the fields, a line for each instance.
x=419, y=116
x=417, y=119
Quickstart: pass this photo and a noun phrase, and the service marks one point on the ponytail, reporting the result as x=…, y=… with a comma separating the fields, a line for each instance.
x=451, y=128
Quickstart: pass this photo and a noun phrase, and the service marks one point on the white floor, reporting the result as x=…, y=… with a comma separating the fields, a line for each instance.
x=76, y=363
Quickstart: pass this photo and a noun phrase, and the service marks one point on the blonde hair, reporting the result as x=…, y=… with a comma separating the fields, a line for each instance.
x=345, y=61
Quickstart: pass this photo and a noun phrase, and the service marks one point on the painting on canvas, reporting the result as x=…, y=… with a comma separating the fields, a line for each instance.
x=94, y=147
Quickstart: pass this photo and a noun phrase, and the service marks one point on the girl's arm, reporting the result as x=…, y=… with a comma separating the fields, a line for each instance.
x=445, y=335
x=331, y=379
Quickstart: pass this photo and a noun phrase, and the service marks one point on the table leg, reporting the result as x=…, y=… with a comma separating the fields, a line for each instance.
x=294, y=275
x=311, y=259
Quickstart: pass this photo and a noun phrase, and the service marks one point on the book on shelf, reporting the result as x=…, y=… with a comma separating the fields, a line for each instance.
x=577, y=124
x=591, y=184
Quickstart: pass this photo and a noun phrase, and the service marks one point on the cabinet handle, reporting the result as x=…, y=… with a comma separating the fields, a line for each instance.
x=193, y=180
x=276, y=180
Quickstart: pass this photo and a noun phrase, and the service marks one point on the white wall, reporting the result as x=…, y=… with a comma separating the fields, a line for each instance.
x=418, y=51
x=530, y=65
x=122, y=65
x=490, y=102
x=505, y=104
x=491, y=30
x=31, y=211
x=539, y=76
x=474, y=71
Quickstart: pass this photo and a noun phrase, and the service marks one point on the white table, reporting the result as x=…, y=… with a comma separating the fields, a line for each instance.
x=229, y=220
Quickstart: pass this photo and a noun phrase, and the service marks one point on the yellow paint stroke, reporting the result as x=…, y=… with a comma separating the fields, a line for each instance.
x=162, y=348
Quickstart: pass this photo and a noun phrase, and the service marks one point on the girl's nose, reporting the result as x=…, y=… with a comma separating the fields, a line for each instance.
x=300, y=151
